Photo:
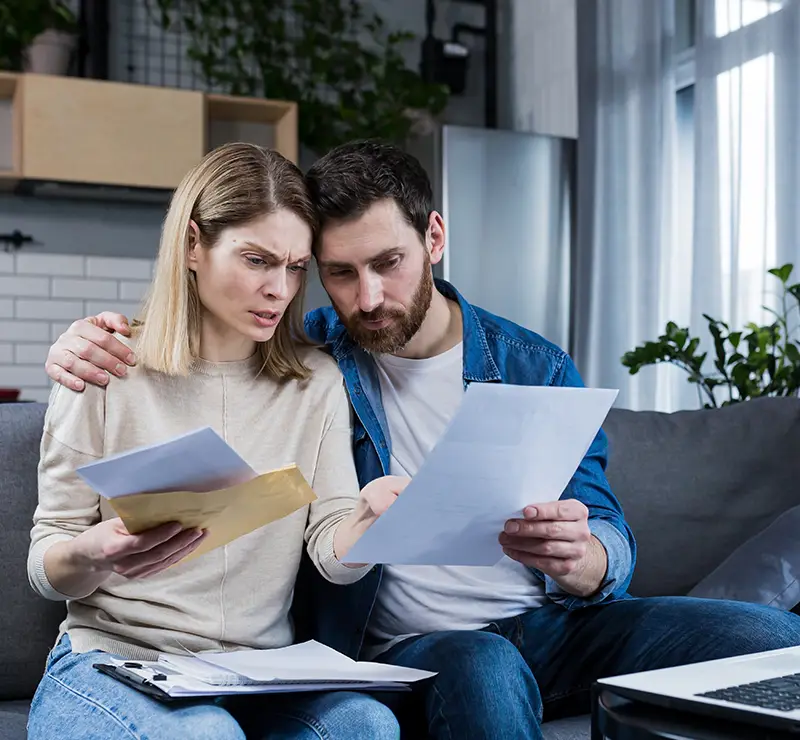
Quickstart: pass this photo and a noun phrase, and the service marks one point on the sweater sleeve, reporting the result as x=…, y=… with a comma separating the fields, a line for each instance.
x=336, y=485
x=73, y=436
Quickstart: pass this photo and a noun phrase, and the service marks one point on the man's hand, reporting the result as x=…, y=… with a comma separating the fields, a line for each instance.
x=87, y=349
x=376, y=497
x=555, y=538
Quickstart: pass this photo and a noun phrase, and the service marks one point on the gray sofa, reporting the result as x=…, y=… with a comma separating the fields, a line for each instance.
x=694, y=486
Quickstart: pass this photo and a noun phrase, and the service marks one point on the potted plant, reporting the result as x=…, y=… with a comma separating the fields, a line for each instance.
x=50, y=50
x=37, y=36
x=759, y=361
x=336, y=58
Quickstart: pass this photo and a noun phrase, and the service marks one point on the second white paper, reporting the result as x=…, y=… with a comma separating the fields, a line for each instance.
x=507, y=447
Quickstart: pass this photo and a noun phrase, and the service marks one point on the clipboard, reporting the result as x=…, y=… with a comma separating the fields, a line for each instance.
x=137, y=681
x=159, y=682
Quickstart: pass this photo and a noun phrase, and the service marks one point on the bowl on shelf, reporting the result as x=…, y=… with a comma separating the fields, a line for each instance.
x=9, y=395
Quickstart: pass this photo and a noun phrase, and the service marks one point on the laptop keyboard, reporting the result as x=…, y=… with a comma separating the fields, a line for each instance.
x=781, y=694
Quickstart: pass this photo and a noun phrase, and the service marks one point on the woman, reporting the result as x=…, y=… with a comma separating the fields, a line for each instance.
x=216, y=346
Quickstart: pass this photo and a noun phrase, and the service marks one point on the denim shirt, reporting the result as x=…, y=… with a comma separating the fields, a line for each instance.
x=495, y=351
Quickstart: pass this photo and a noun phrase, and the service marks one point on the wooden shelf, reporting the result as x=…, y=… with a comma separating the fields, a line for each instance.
x=91, y=131
x=10, y=128
x=271, y=123
x=75, y=130
x=8, y=84
x=8, y=180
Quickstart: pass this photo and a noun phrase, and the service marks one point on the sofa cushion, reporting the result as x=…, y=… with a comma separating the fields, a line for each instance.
x=763, y=570
x=14, y=720
x=28, y=623
x=695, y=485
x=572, y=728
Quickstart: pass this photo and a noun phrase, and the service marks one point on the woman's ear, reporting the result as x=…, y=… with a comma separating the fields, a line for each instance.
x=192, y=244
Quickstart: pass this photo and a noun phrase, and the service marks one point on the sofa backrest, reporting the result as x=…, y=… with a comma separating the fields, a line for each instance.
x=694, y=485
x=28, y=623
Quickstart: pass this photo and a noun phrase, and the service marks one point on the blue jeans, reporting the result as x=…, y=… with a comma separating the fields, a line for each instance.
x=499, y=682
x=76, y=701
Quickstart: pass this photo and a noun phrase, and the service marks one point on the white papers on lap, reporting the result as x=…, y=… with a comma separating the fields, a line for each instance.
x=507, y=447
x=309, y=666
x=309, y=661
x=199, y=461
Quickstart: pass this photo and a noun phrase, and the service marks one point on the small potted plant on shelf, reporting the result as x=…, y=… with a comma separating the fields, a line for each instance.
x=37, y=36
x=50, y=50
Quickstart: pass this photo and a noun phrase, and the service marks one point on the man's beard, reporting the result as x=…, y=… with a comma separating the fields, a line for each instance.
x=404, y=324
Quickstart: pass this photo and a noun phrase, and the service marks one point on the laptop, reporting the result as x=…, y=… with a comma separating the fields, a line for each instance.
x=760, y=688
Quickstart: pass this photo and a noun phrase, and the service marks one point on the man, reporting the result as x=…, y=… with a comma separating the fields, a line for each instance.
x=531, y=634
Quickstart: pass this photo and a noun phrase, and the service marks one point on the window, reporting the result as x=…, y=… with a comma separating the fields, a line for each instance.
x=731, y=15
x=745, y=156
x=746, y=130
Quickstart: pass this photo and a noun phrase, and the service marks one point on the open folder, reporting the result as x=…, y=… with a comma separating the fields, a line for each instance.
x=308, y=666
x=196, y=479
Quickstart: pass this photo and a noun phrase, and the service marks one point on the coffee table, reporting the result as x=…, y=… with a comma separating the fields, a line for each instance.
x=615, y=717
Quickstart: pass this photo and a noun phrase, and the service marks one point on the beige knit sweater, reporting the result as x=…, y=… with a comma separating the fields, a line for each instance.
x=234, y=597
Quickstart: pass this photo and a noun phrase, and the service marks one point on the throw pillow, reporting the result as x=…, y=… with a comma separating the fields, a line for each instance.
x=764, y=570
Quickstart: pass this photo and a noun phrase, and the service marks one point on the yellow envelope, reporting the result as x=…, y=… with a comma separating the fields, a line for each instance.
x=227, y=513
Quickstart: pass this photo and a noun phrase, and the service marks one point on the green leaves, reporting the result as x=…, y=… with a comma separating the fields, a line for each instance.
x=782, y=273
x=335, y=58
x=22, y=20
x=757, y=361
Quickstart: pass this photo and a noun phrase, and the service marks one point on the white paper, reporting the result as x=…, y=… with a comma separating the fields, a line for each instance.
x=197, y=461
x=309, y=661
x=180, y=685
x=507, y=447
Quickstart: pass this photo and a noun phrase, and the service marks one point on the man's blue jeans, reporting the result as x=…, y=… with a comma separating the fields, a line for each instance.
x=76, y=701
x=500, y=681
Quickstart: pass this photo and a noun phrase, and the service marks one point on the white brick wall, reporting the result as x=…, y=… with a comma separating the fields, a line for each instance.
x=41, y=294
x=19, y=285
x=117, y=267
x=79, y=288
x=44, y=308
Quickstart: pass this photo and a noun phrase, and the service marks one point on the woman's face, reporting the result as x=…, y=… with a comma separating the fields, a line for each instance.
x=247, y=280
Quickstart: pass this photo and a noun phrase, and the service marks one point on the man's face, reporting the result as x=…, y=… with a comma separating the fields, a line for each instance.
x=377, y=272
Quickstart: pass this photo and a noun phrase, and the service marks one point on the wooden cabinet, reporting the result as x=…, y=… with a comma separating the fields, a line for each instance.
x=73, y=130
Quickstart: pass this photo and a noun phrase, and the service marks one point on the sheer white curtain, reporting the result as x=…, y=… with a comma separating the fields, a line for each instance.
x=626, y=187
x=747, y=161
x=662, y=238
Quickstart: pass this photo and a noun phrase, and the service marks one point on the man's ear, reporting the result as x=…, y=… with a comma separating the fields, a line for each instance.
x=192, y=244
x=435, y=237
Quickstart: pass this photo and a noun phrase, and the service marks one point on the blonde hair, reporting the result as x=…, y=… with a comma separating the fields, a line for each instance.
x=231, y=186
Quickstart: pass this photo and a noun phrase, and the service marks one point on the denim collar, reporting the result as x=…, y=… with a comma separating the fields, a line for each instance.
x=479, y=365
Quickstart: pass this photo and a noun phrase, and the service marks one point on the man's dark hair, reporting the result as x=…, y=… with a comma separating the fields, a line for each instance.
x=352, y=177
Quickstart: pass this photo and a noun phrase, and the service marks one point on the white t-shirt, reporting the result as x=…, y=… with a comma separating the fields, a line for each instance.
x=420, y=397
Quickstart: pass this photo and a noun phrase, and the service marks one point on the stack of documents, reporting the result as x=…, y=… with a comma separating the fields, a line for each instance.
x=507, y=447
x=196, y=479
x=309, y=666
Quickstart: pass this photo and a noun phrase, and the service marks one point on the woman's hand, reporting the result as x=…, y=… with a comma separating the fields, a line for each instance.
x=108, y=546
x=376, y=497
x=78, y=566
